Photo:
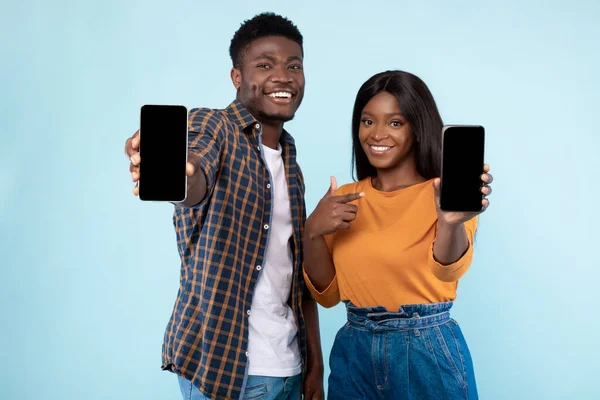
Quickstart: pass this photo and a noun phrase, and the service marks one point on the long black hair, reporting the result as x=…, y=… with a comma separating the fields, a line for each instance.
x=418, y=106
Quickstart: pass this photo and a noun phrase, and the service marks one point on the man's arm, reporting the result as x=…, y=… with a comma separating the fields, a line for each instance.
x=196, y=182
x=206, y=137
x=313, y=385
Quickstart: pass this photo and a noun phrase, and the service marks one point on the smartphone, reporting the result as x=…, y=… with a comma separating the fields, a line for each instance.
x=163, y=153
x=462, y=166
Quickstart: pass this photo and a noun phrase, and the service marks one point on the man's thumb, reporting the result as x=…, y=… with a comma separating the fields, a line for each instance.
x=193, y=165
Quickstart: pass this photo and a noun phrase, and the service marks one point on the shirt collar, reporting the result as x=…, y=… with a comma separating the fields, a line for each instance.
x=242, y=117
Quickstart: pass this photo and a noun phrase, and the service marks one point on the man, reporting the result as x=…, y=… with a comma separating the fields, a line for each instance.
x=243, y=325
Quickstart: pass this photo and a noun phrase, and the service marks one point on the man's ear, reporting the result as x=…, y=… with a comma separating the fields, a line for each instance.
x=236, y=77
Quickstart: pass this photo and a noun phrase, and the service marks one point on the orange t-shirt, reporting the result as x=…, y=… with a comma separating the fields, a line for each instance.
x=386, y=257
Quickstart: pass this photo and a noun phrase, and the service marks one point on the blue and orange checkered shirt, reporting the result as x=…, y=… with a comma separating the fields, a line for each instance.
x=221, y=242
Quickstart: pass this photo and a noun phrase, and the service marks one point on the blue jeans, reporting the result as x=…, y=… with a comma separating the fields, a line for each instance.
x=416, y=353
x=257, y=387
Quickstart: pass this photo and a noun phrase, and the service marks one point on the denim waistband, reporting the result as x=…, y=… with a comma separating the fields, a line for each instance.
x=410, y=316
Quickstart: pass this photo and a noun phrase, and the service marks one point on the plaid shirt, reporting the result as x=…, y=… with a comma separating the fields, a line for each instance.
x=221, y=242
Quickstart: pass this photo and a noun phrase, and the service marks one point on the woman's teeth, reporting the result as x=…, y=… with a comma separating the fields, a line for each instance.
x=381, y=148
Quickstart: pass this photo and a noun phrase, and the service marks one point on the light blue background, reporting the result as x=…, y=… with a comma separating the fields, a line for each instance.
x=89, y=273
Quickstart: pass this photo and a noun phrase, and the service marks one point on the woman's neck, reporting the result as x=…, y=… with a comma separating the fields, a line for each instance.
x=399, y=177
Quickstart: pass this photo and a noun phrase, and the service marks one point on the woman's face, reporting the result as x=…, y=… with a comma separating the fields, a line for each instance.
x=385, y=135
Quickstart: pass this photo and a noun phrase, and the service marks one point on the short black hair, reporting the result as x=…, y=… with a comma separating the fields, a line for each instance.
x=261, y=25
x=418, y=106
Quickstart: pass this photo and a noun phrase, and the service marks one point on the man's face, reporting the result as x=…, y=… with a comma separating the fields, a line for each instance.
x=271, y=80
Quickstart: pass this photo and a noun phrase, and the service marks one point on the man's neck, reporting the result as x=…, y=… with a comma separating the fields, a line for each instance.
x=271, y=133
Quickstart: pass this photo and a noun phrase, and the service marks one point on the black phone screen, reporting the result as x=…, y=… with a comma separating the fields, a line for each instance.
x=163, y=153
x=462, y=166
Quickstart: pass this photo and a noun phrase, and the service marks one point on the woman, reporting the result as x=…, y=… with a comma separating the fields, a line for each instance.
x=383, y=246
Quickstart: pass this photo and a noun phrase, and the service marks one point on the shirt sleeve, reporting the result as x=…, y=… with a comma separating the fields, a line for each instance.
x=206, y=137
x=453, y=272
x=329, y=297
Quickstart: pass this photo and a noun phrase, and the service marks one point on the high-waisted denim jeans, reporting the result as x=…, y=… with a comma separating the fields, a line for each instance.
x=416, y=353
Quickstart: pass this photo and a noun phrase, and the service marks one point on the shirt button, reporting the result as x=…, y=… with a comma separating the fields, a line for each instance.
x=266, y=226
x=246, y=354
x=268, y=186
x=257, y=126
x=248, y=312
x=258, y=267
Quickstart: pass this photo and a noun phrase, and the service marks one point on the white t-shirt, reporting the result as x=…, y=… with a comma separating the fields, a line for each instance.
x=273, y=341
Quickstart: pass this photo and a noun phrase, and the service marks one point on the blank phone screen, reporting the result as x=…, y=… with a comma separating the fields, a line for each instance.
x=462, y=166
x=163, y=153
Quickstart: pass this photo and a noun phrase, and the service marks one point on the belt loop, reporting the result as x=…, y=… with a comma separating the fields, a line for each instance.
x=417, y=331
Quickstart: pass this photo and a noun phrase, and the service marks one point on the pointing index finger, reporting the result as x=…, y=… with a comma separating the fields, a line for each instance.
x=348, y=197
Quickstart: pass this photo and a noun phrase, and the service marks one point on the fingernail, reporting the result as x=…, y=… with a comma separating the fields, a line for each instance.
x=131, y=159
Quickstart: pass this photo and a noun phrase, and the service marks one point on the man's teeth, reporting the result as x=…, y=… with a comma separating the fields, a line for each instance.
x=280, y=94
x=380, y=148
